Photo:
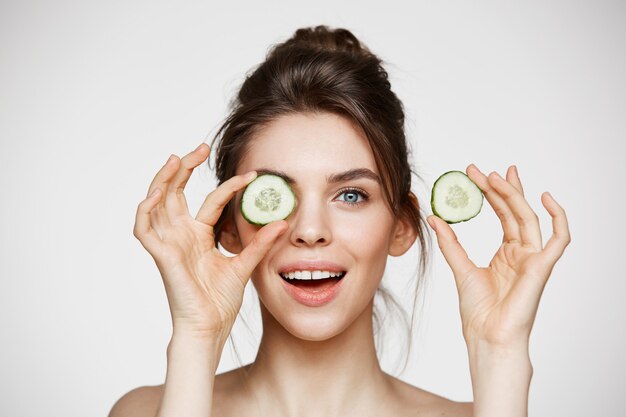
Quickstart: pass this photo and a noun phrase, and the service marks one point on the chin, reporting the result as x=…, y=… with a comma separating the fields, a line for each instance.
x=314, y=327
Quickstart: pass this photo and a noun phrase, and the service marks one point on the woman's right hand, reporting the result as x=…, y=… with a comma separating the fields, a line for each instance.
x=204, y=287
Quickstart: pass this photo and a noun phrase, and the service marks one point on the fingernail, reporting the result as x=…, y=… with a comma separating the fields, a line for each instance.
x=170, y=159
x=153, y=193
x=477, y=169
x=198, y=148
x=251, y=175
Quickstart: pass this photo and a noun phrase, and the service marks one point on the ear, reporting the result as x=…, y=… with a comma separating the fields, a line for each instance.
x=229, y=238
x=404, y=236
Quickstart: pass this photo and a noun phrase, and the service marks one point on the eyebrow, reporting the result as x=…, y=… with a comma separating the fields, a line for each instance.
x=349, y=175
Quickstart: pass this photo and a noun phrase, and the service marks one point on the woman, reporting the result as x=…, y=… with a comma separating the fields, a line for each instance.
x=320, y=113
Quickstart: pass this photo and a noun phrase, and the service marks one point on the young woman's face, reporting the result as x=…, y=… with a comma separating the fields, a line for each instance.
x=347, y=223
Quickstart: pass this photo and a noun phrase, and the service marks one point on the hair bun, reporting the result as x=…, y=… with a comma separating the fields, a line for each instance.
x=322, y=38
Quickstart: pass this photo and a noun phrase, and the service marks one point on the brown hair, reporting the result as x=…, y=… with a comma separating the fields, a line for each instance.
x=326, y=70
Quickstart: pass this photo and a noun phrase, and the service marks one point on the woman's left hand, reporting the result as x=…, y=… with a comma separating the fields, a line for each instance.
x=499, y=302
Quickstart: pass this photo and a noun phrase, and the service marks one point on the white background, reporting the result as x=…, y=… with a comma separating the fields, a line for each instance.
x=94, y=96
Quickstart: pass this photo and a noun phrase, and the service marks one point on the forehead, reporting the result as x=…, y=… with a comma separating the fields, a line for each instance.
x=304, y=144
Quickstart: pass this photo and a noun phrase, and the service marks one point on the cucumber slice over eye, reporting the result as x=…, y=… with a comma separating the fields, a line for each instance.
x=266, y=199
x=455, y=198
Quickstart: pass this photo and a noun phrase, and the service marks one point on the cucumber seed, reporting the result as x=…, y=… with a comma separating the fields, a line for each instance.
x=267, y=200
x=457, y=197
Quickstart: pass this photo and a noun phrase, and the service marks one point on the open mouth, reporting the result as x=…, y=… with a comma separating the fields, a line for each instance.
x=313, y=281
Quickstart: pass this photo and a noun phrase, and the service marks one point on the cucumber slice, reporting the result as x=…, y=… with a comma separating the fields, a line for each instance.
x=266, y=199
x=455, y=198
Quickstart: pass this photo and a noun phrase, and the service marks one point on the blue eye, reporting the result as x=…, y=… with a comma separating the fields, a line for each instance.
x=351, y=196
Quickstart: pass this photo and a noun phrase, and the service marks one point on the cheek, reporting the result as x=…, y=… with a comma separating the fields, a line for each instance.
x=366, y=236
x=366, y=241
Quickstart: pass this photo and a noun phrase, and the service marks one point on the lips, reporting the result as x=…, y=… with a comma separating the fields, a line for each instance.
x=309, y=281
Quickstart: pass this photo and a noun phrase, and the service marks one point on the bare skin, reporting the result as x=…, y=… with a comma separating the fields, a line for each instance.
x=321, y=361
x=326, y=351
x=233, y=399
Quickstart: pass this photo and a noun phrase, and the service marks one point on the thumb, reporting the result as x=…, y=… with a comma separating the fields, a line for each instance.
x=261, y=243
x=451, y=249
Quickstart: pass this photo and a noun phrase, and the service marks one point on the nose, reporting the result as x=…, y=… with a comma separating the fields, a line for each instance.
x=310, y=224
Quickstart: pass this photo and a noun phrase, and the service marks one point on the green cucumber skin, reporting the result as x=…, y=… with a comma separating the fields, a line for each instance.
x=251, y=221
x=432, y=200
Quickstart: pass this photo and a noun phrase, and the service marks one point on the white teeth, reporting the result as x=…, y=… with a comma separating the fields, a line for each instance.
x=311, y=274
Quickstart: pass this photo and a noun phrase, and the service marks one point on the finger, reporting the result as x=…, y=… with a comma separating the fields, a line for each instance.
x=165, y=174
x=214, y=203
x=158, y=214
x=512, y=176
x=510, y=226
x=175, y=201
x=261, y=243
x=143, y=229
x=526, y=218
x=451, y=249
x=560, y=229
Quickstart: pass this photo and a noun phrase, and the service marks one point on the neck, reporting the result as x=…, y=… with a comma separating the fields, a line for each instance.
x=296, y=377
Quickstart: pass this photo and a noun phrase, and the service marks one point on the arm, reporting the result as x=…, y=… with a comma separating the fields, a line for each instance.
x=204, y=288
x=498, y=303
x=500, y=380
x=188, y=390
x=191, y=366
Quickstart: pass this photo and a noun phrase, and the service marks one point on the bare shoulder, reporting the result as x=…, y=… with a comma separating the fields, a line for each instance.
x=144, y=401
x=413, y=401
x=139, y=402
x=408, y=400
